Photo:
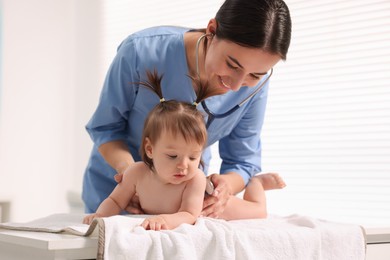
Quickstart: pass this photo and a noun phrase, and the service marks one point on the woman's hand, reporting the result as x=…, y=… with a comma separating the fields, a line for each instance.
x=118, y=177
x=134, y=206
x=215, y=204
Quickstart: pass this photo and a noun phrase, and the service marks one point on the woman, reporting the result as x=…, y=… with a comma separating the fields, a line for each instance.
x=234, y=56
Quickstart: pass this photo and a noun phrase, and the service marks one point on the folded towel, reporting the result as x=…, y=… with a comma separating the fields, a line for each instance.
x=56, y=223
x=289, y=237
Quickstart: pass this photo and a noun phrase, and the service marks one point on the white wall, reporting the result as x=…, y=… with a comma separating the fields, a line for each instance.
x=45, y=102
x=88, y=81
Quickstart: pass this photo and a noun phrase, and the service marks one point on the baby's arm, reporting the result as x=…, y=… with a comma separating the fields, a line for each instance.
x=119, y=198
x=190, y=209
x=106, y=209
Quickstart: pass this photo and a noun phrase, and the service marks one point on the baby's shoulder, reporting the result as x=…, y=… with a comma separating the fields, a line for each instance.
x=136, y=170
x=199, y=177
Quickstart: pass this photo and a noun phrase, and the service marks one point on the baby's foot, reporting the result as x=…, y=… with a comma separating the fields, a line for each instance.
x=271, y=181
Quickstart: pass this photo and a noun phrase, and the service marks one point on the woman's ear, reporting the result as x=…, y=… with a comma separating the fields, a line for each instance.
x=148, y=148
x=212, y=26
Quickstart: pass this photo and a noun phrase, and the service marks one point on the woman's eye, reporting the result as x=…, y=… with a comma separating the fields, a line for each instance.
x=231, y=66
x=254, y=76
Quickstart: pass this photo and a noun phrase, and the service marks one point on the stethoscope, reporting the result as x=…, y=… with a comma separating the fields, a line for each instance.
x=211, y=115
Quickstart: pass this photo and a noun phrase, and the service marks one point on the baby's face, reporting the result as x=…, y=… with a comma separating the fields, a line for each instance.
x=174, y=159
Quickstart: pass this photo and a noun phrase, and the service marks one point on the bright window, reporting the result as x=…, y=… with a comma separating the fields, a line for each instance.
x=327, y=128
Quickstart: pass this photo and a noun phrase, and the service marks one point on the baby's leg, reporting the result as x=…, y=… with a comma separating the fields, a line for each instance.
x=253, y=204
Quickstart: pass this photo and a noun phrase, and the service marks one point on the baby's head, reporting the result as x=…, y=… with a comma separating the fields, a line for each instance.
x=174, y=117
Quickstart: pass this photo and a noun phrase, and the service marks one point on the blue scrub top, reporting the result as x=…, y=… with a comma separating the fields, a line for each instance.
x=124, y=105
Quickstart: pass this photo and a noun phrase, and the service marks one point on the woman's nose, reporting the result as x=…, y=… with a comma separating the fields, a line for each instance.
x=237, y=82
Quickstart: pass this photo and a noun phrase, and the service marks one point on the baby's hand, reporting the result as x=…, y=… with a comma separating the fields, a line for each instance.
x=155, y=223
x=89, y=218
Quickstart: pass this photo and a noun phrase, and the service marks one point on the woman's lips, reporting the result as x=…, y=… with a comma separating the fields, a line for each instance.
x=224, y=85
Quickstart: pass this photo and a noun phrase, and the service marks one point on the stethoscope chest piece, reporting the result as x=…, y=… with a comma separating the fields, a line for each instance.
x=209, y=187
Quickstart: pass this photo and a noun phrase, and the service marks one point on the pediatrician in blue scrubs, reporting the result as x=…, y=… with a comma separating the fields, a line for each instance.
x=234, y=55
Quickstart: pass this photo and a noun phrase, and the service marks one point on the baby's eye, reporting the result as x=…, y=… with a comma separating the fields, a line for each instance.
x=172, y=156
x=193, y=158
x=231, y=66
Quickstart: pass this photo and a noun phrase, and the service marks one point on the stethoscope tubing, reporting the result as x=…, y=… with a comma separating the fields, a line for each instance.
x=212, y=116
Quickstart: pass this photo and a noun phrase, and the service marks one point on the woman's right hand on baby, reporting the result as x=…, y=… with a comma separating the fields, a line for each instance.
x=118, y=177
x=134, y=206
x=215, y=204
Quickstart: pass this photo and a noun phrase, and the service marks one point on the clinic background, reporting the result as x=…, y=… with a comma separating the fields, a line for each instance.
x=327, y=127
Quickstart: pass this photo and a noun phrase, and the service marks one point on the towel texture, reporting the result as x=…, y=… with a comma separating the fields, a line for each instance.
x=291, y=237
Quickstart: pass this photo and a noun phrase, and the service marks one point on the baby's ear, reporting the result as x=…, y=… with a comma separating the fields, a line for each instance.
x=148, y=148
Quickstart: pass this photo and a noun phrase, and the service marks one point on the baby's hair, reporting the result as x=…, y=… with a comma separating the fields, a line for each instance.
x=173, y=116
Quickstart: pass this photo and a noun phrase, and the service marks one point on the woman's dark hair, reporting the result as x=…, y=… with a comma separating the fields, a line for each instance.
x=264, y=24
x=173, y=116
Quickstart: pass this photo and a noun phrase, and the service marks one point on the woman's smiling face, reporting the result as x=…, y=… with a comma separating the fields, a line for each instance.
x=230, y=66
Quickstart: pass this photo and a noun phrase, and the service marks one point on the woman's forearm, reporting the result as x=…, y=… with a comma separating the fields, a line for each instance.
x=117, y=155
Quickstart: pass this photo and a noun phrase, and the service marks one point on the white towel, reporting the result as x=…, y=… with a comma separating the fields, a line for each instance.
x=291, y=237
